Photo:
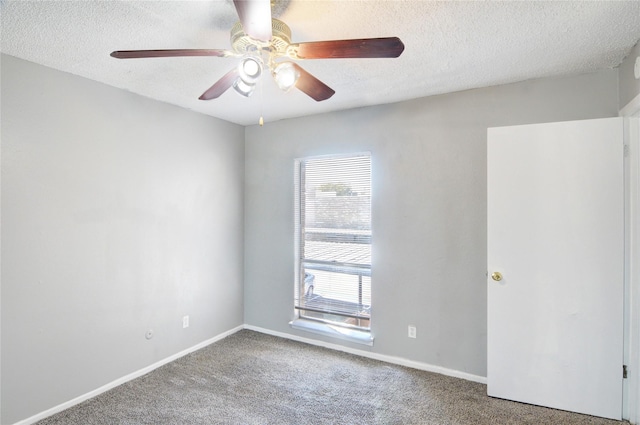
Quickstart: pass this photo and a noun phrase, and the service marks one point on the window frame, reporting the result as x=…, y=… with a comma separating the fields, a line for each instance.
x=355, y=333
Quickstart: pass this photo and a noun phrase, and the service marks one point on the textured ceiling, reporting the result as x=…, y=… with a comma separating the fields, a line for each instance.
x=450, y=46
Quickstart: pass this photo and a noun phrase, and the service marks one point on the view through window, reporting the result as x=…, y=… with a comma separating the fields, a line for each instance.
x=333, y=239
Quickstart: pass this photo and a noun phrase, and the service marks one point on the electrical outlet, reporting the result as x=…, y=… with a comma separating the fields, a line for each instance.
x=185, y=321
x=412, y=331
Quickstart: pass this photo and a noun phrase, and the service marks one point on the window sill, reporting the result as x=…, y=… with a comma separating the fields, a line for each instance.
x=345, y=334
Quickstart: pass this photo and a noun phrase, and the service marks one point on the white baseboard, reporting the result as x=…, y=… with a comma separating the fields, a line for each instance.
x=382, y=357
x=59, y=408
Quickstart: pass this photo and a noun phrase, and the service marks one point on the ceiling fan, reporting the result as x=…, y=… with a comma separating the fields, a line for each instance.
x=262, y=42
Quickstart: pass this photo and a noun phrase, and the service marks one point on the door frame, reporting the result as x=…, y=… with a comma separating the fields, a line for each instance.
x=631, y=386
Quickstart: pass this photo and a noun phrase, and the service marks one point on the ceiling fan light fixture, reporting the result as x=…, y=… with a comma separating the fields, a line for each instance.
x=286, y=75
x=250, y=70
x=244, y=88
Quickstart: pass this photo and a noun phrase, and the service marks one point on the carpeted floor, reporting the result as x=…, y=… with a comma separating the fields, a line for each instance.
x=250, y=378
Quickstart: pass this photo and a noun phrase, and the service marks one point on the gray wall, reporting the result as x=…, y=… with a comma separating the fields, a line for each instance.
x=119, y=214
x=629, y=86
x=429, y=208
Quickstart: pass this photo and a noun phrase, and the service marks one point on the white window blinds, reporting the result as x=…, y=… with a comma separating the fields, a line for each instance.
x=334, y=239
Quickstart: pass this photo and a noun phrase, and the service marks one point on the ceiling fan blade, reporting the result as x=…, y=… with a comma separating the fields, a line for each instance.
x=255, y=16
x=134, y=54
x=221, y=86
x=387, y=47
x=312, y=87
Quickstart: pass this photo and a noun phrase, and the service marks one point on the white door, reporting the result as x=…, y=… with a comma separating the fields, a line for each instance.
x=555, y=235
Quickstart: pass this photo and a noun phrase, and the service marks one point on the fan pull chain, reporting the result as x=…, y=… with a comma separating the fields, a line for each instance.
x=261, y=120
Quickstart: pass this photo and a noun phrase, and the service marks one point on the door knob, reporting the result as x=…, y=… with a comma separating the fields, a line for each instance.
x=497, y=276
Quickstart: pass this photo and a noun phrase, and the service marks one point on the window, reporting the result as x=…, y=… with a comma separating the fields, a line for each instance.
x=333, y=240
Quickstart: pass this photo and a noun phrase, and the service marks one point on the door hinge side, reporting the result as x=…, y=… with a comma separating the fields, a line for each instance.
x=624, y=371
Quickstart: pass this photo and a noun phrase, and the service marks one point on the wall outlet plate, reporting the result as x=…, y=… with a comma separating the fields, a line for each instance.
x=185, y=322
x=412, y=331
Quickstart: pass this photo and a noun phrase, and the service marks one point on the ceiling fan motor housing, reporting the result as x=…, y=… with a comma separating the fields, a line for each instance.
x=241, y=43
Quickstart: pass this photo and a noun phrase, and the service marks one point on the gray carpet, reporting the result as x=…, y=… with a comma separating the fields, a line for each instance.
x=250, y=378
